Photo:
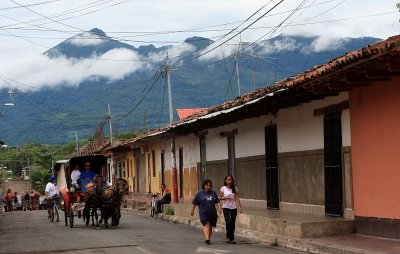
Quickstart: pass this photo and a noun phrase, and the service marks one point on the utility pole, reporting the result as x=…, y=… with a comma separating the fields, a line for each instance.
x=52, y=164
x=237, y=65
x=112, y=169
x=3, y=180
x=78, y=151
x=110, y=123
x=167, y=69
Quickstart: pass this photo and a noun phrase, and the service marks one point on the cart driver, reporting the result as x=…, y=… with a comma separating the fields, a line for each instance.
x=87, y=176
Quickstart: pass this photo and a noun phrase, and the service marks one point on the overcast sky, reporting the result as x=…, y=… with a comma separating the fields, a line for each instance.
x=30, y=27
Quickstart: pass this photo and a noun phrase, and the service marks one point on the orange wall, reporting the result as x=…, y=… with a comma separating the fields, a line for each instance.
x=375, y=142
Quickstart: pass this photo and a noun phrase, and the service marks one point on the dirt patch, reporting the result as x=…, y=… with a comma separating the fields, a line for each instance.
x=18, y=186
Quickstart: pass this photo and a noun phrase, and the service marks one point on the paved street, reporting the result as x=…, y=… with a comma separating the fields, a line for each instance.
x=31, y=232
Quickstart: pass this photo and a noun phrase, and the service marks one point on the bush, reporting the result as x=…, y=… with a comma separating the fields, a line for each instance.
x=170, y=211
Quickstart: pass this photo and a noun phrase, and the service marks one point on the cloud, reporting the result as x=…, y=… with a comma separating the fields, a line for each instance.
x=286, y=43
x=175, y=53
x=86, y=39
x=39, y=71
x=219, y=53
x=326, y=43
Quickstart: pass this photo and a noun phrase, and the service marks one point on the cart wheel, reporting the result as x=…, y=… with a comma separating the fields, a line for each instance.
x=65, y=214
x=71, y=217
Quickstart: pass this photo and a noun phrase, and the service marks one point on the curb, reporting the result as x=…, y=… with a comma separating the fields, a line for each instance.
x=307, y=245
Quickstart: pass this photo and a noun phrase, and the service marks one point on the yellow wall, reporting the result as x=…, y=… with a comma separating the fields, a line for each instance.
x=189, y=182
x=155, y=180
x=130, y=175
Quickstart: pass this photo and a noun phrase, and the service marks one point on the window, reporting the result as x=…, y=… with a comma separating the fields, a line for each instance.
x=163, y=166
x=153, y=157
x=231, y=155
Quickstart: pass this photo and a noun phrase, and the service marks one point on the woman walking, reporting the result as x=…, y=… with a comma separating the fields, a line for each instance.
x=230, y=196
x=206, y=199
x=9, y=197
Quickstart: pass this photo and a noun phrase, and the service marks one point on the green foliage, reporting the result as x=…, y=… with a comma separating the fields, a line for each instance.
x=38, y=179
x=275, y=243
x=170, y=211
x=38, y=157
x=128, y=135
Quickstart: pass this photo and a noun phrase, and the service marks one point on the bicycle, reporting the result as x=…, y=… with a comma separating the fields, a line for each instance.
x=153, y=203
x=54, y=209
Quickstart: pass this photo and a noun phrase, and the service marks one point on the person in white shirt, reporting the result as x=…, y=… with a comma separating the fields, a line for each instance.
x=229, y=194
x=75, y=174
x=50, y=192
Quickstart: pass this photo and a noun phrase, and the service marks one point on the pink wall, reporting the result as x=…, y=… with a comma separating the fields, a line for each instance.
x=375, y=142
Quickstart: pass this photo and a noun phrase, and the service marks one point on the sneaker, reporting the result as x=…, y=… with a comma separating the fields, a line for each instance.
x=207, y=241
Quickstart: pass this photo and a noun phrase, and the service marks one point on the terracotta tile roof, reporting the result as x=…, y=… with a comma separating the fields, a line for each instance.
x=357, y=68
x=91, y=148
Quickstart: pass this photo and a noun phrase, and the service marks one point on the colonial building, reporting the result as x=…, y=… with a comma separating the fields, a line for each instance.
x=322, y=142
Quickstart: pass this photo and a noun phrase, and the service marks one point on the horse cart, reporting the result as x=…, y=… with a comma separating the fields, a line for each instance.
x=98, y=197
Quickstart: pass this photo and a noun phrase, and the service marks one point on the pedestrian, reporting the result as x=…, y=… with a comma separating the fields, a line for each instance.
x=15, y=201
x=33, y=201
x=229, y=194
x=206, y=199
x=8, y=198
x=26, y=201
x=1, y=203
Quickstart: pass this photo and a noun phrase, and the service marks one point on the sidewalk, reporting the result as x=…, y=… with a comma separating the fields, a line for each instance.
x=339, y=244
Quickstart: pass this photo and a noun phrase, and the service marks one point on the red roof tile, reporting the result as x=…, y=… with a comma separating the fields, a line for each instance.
x=186, y=112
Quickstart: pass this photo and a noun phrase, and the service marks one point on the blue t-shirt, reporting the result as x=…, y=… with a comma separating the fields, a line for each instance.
x=206, y=202
x=83, y=177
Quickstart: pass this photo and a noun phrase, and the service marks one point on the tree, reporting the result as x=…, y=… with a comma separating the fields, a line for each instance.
x=39, y=179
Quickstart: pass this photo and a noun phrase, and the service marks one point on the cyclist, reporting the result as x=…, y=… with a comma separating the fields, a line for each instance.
x=50, y=192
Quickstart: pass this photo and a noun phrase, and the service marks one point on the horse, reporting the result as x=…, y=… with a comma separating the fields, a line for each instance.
x=93, y=201
x=113, y=202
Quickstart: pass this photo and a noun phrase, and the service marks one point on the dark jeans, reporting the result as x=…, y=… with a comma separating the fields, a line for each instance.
x=230, y=221
x=159, y=204
x=9, y=206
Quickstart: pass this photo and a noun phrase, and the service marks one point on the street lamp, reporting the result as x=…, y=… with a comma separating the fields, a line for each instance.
x=10, y=93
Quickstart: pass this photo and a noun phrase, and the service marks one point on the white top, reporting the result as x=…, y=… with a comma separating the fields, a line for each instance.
x=51, y=189
x=230, y=201
x=75, y=174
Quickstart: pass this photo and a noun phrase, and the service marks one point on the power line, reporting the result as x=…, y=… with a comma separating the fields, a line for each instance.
x=29, y=5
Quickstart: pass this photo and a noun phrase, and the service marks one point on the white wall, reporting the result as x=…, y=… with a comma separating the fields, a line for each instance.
x=216, y=146
x=346, y=136
x=191, y=150
x=191, y=153
x=300, y=130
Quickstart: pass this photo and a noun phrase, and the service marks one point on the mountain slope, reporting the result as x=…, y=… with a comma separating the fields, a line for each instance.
x=139, y=99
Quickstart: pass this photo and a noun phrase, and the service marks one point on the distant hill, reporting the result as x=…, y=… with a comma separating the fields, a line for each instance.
x=139, y=99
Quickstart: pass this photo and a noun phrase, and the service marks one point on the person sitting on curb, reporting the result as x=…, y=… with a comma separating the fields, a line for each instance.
x=166, y=198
